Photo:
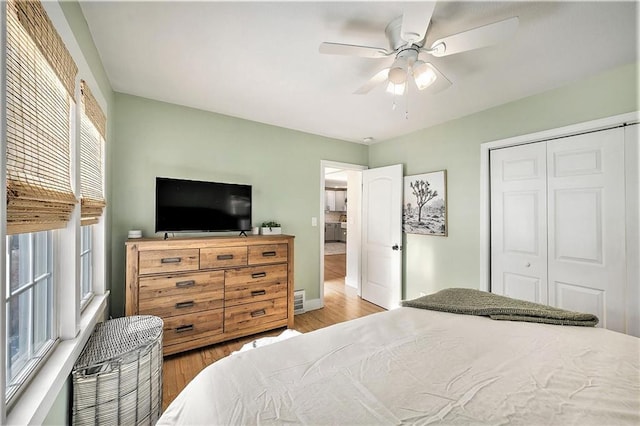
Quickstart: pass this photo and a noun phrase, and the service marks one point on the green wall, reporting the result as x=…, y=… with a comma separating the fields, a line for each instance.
x=433, y=263
x=160, y=139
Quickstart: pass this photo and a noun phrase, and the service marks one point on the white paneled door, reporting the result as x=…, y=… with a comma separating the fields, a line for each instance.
x=519, y=222
x=587, y=269
x=382, y=236
x=558, y=224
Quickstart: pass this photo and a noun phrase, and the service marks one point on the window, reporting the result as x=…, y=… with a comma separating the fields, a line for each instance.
x=30, y=322
x=40, y=89
x=92, y=202
x=92, y=131
x=54, y=142
x=86, y=265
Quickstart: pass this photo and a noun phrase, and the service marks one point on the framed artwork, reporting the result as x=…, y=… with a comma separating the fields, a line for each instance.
x=424, y=210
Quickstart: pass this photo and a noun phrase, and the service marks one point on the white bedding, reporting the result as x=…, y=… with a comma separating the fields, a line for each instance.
x=422, y=367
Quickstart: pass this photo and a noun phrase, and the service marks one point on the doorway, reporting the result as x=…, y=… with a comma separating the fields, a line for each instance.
x=340, y=218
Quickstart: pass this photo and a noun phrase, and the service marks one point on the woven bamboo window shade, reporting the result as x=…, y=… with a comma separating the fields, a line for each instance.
x=40, y=86
x=92, y=136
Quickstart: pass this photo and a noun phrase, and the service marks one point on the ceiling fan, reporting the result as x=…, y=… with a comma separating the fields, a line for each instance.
x=407, y=36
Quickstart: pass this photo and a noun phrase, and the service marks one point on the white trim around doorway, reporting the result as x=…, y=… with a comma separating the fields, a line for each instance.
x=323, y=165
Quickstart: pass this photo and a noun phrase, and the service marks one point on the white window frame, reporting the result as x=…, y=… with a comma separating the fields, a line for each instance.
x=86, y=255
x=74, y=327
x=3, y=204
x=34, y=356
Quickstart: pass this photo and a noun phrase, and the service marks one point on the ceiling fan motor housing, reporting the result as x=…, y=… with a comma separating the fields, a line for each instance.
x=393, y=33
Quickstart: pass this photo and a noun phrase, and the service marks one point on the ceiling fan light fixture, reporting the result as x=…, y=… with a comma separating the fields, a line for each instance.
x=398, y=72
x=423, y=74
x=396, y=89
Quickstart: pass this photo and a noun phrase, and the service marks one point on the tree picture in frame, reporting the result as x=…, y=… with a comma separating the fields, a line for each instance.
x=424, y=210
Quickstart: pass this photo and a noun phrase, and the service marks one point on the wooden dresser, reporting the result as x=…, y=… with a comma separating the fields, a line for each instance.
x=211, y=289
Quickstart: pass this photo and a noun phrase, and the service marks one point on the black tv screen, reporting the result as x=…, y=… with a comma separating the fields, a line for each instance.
x=190, y=205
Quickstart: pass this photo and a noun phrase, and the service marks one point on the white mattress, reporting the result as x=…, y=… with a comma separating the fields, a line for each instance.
x=423, y=367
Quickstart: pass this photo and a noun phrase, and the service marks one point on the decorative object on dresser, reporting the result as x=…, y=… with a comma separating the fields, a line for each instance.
x=135, y=233
x=271, y=228
x=211, y=289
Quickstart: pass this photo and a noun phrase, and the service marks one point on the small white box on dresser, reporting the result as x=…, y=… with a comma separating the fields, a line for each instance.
x=271, y=230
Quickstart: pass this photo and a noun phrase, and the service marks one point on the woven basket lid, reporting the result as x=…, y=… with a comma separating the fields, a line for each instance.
x=116, y=338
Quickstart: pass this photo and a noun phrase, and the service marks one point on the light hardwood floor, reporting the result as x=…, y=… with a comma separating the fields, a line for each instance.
x=335, y=267
x=341, y=303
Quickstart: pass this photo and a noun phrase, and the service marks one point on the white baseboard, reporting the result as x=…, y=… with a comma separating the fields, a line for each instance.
x=351, y=282
x=312, y=304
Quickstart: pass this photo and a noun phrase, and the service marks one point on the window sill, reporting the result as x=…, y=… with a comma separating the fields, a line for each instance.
x=36, y=400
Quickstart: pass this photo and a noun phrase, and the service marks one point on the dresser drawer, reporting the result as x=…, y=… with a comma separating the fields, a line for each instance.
x=268, y=253
x=255, y=275
x=247, y=293
x=171, y=295
x=254, y=315
x=162, y=261
x=183, y=328
x=222, y=257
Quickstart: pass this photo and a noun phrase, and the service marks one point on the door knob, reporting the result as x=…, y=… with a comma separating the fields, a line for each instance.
x=396, y=247
x=527, y=264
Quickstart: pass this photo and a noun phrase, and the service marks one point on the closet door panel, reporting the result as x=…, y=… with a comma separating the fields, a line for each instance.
x=577, y=220
x=580, y=299
x=518, y=222
x=522, y=287
x=586, y=221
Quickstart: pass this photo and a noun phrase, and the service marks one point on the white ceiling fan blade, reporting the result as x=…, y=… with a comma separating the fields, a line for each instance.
x=378, y=78
x=415, y=20
x=353, y=50
x=475, y=38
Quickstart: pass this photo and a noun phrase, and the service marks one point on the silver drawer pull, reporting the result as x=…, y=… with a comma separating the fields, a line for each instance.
x=188, y=283
x=171, y=260
x=259, y=313
x=225, y=256
x=188, y=304
x=268, y=253
x=183, y=328
x=259, y=275
x=258, y=292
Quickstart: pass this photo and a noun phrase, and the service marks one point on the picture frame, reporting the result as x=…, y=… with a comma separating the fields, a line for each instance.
x=424, y=208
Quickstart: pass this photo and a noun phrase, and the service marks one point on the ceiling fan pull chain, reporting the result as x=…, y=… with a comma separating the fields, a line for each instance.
x=406, y=96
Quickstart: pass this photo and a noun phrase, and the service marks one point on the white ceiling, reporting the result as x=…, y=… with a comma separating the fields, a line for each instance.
x=259, y=60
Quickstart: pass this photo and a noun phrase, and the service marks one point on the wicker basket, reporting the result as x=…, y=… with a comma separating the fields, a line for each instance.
x=118, y=378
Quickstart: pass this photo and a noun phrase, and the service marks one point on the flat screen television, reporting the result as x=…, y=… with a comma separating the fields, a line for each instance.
x=197, y=206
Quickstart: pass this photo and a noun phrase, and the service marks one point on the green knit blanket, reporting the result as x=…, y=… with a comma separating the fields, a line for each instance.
x=474, y=302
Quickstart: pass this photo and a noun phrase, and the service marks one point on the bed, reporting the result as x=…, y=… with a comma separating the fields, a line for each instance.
x=421, y=366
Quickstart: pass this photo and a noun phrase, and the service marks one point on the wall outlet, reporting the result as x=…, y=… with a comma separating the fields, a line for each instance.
x=314, y=221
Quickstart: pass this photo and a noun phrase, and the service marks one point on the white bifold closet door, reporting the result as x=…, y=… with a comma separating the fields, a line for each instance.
x=558, y=224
